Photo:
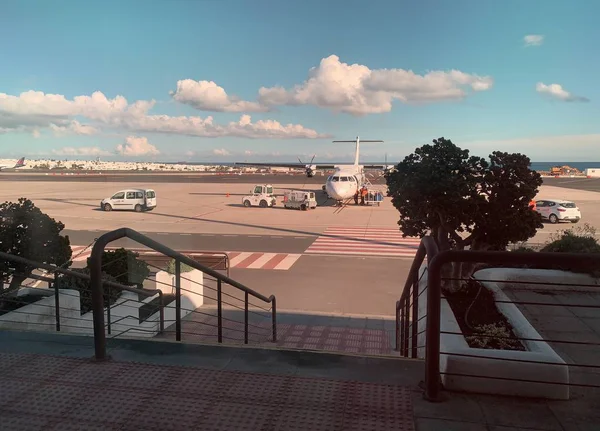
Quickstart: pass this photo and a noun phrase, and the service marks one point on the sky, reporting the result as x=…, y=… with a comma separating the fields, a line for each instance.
x=267, y=80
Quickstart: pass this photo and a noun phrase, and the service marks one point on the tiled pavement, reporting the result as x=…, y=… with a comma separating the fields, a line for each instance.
x=326, y=333
x=61, y=393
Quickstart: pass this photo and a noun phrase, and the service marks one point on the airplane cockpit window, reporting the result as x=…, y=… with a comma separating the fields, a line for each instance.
x=335, y=178
x=352, y=179
x=344, y=178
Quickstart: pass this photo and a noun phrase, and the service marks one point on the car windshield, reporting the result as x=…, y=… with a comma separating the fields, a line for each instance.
x=150, y=194
x=568, y=205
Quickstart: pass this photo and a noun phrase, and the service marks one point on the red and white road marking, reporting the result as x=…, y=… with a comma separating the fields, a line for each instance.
x=243, y=260
x=364, y=241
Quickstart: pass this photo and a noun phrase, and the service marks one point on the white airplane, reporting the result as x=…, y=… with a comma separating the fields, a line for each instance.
x=20, y=163
x=345, y=181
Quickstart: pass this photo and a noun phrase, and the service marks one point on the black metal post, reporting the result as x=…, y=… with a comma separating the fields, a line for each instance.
x=246, y=318
x=108, y=310
x=219, y=312
x=397, y=338
x=98, y=300
x=178, y=300
x=432, y=345
x=161, y=311
x=56, y=302
x=415, y=316
x=406, y=324
x=402, y=323
x=274, y=319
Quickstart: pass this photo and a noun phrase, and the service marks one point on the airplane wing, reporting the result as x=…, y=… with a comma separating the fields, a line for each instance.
x=286, y=165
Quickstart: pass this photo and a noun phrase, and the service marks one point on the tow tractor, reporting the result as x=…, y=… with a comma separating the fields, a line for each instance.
x=262, y=196
x=299, y=199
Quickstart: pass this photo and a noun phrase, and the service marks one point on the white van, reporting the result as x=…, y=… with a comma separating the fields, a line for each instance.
x=130, y=199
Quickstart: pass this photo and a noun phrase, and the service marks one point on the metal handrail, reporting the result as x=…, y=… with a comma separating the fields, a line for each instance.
x=95, y=262
x=427, y=248
x=59, y=270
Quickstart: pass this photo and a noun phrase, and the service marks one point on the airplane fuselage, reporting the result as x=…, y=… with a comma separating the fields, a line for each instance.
x=344, y=182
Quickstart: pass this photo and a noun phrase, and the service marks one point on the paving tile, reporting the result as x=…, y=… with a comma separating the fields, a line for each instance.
x=12, y=421
x=513, y=412
x=83, y=426
x=170, y=413
x=302, y=419
x=227, y=416
x=14, y=390
x=427, y=424
x=456, y=407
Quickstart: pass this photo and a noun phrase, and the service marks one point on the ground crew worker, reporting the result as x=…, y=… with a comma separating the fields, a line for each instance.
x=532, y=204
x=362, y=195
x=356, y=197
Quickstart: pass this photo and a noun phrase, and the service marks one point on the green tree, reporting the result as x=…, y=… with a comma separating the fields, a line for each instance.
x=124, y=266
x=27, y=232
x=465, y=201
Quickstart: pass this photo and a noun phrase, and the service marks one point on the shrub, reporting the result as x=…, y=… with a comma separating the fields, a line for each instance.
x=183, y=267
x=124, y=266
x=83, y=287
x=493, y=336
x=579, y=240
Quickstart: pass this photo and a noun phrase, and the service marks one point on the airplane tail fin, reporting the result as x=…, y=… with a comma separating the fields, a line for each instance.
x=20, y=162
x=357, y=142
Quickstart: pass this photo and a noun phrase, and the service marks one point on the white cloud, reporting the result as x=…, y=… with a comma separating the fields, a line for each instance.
x=81, y=151
x=37, y=109
x=137, y=146
x=190, y=153
x=556, y=91
x=208, y=96
x=36, y=133
x=248, y=153
x=358, y=90
x=533, y=40
x=73, y=128
x=221, y=152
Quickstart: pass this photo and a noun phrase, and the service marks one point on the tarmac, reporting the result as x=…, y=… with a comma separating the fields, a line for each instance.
x=323, y=254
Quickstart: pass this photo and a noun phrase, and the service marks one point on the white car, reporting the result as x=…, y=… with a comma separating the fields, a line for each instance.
x=130, y=199
x=555, y=210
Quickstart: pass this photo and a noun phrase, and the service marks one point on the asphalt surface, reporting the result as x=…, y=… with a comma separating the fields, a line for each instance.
x=586, y=184
x=175, y=178
x=207, y=242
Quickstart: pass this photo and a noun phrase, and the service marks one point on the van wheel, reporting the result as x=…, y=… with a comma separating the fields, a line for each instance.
x=263, y=204
x=303, y=207
x=575, y=221
x=138, y=208
x=246, y=204
x=107, y=207
x=553, y=219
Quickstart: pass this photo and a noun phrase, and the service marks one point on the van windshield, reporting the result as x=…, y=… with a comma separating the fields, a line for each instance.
x=150, y=194
x=269, y=190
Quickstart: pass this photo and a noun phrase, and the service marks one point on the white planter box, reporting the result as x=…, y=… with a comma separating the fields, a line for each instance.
x=502, y=375
x=192, y=293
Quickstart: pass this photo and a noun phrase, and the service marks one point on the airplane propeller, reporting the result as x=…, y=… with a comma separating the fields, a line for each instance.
x=310, y=168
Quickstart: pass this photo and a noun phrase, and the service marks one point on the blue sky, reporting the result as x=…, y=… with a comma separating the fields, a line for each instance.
x=380, y=70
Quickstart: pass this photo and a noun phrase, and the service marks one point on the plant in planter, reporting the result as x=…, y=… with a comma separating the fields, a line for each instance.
x=124, y=266
x=83, y=287
x=465, y=201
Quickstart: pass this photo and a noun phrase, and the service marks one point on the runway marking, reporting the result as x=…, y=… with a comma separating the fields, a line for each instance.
x=237, y=259
x=364, y=241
